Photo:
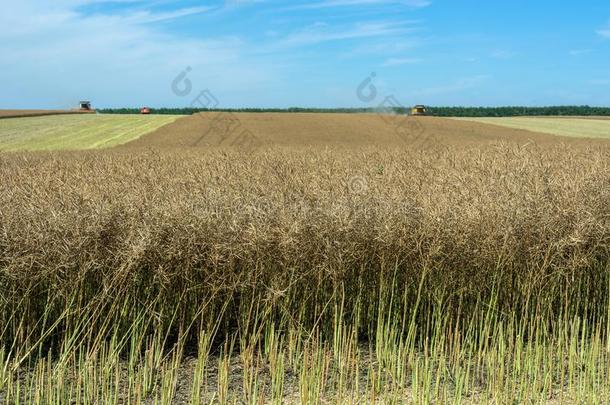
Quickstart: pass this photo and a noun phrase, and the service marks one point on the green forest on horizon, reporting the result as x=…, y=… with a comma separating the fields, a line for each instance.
x=510, y=111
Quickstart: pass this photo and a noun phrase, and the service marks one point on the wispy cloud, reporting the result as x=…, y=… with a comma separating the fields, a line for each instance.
x=604, y=32
x=231, y=4
x=462, y=84
x=401, y=61
x=147, y=17
x=32, y=17
x=353, y=3
x=599, y=82
x=322, y=32
x=119, y=55
x=502, y=54
x=578, y=52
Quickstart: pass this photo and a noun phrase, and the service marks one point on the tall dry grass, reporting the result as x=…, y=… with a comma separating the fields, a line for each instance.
x=480, y=247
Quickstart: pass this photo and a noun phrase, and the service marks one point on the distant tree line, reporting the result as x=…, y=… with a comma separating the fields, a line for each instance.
x=189, y=111
x=584, y=110
x=436, y=111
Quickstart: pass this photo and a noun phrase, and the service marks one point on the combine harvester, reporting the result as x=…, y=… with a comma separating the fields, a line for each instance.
x=85, y=106
x=419, y=110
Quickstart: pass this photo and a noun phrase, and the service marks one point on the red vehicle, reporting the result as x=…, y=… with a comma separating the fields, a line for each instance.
x=145, y=110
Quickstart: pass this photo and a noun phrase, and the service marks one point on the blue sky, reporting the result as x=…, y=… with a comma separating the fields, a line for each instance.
x=268, y=53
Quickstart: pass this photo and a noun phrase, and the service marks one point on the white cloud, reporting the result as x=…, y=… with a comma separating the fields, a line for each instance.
x=54, y=53
x=58, y=54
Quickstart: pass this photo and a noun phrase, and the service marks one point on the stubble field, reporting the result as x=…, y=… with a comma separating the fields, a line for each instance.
x=37, y=113
x=75, y=131
x=261, y=258
x=590, y=127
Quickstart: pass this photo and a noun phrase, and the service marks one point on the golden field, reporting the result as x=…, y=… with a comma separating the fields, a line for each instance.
x=276, y=262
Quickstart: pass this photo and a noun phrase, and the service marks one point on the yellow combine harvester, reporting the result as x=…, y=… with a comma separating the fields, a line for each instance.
x=419, y=110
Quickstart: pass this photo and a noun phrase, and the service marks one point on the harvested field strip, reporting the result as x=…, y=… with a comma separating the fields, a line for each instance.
x=572, y=127
x=76, y=131
x=37, y=113
x=247, y=130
